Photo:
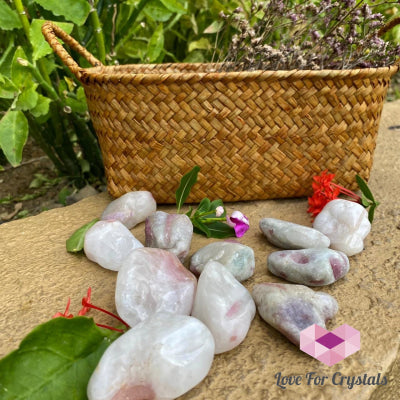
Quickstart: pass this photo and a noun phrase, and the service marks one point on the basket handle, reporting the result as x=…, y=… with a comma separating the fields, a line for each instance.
x=51, y=32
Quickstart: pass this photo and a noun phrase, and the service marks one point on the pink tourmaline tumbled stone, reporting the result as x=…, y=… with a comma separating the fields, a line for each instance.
x=150, y=281
x=163, y=357
x=224, y=305
x=131, y=208
x=312, y=267
x=292, y=308
x=172, y=232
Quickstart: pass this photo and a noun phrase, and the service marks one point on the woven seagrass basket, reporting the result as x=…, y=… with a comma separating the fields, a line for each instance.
x=255, y=135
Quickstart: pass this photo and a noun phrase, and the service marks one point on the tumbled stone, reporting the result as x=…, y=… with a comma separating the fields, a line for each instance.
x=288, y=235
x=131, y=208
x=161, y=358
x=292, y=308
x=172, y=232
x=237, y=258
x=224, y=305
x=150, y=281
x=108, y=243
x=345, y=223
x=312, y=267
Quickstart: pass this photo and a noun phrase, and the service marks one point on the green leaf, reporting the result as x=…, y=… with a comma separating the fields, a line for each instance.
x=8, y=17
x=371, y=212
x=201, y=44
x=201, y=228
x=185, y=186
x=40, y=47
x=189, y=213
x=156, y=44
x=28, y=98
x=157, y=11
x=75, y=11
x=364, y=201
x=54, y=361
x=63, y=194
x=20, y=75
x=196, y=56
x=204, y=206
x=366, y=191
x=7, y=89
x=13, y=135
x=175, y=6
x=42, y=106
x=215, y=27
x=220, y=230
x=76, y=240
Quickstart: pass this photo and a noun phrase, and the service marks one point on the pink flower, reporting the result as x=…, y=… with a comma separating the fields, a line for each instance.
x=219, y=211
x=239, y=222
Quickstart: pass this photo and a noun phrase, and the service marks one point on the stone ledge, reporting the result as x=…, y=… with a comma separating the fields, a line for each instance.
x=38, y=276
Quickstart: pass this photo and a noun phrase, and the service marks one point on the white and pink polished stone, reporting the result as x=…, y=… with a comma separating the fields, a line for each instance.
x=131, y=208
x=150, y=281
x=162, y=357
x=224, y=305
x=311, y=267
x=108, y=243
x=292, y=308
x=288, y=235
x=172, y=232
x=237, y=258
x=345, y=223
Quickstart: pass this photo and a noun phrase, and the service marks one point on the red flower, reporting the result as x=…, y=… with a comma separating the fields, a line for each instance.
x=325, y=191
x=85, y=301
x=65, y=314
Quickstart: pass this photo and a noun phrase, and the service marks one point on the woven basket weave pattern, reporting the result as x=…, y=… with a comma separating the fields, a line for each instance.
x=255, y=135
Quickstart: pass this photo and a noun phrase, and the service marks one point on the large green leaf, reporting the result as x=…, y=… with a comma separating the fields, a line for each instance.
x=13, y=135
x=185, y=186
x=7, y=88
x=156, y=44
x=156, y=11
x=42, y=106
x=175, y=5
x=75, y=11
x=8, y=17
x=40, y=47
x=54, y=361
x=28, y=98
x=20, y=75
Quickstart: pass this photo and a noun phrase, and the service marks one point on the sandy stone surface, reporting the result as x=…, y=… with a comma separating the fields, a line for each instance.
x=38, y=275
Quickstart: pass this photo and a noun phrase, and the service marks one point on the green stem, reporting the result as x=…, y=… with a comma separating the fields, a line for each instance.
x=209, y=220
x=39, y=77
x=26, y=26
x=131, y=20
x=98, y=34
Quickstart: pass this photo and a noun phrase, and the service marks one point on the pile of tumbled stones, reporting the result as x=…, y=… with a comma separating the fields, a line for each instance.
x=178, y=321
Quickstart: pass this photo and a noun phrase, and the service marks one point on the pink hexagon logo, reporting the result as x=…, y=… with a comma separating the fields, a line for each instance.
x=330, y=347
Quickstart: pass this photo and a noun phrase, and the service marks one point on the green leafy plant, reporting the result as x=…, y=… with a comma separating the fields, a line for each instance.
x=39, y=97
x=55, y=360
x=76, y=241
x=210, y=218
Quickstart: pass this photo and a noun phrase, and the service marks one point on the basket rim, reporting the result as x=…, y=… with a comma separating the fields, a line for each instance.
x=156, y=73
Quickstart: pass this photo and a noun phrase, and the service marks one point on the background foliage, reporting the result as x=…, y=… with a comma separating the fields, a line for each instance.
x=41, y=98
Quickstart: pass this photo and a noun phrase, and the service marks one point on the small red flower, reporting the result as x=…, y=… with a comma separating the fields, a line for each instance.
x=85, y=301
x=325, y=191
x=65, y=314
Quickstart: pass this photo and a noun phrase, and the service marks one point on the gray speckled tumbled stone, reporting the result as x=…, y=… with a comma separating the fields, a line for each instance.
x=288, y=235
x=237, y=258
x=292, y=308
x=312, y=267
